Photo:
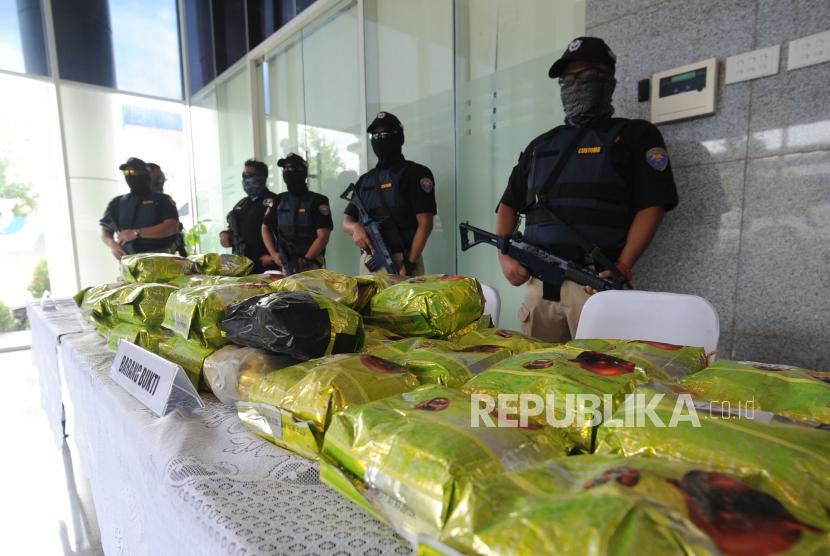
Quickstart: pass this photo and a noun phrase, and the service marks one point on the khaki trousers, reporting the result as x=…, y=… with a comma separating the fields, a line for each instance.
x=398, y=258
x=551, y=321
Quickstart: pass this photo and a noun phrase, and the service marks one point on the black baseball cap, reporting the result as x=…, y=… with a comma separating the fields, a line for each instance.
x=584, y=49
x=292, y=160
x=133, y=162
x=385, y=121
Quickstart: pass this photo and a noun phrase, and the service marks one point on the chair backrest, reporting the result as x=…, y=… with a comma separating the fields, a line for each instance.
x=658, y=316
x=492, y=302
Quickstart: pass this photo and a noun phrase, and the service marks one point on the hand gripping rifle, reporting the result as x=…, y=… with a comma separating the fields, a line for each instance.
x=379, y=255
x=541, y=264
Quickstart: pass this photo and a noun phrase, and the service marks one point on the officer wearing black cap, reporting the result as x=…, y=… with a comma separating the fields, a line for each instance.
x=596, y=180
x=157, y=181
x=297, y=223
x=141, y=221
x=399, y=194
x=244, y=233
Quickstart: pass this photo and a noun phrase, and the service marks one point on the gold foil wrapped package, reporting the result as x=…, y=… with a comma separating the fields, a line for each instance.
x=376, y=336
x=432, y=306
x=441, y=362
x=659, y=360
x=791, y=455
x=368, y=285
x=194, y=280
x=195, y=313
x=407, y=457
x=789, y=391
x=140, y=335
x=232, y=370
x=304, y=325
x=337, y=287
x=141, y=304
x=79, y=297
x=304, y=397
x=93, y=304
x=598, y=505
x=485, y=322
x=154, y=267
x=190, y=355
x=222, y=264
x=516, y=342
x=562, y=380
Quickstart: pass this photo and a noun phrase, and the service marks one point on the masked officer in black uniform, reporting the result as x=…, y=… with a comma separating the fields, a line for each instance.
x=144, y=221
x=157, y=181
x=244, y=233
x=597, y=180
x=297, y=223
x=397, y=192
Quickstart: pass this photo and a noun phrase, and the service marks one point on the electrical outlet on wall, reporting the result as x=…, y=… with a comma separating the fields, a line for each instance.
x=752, y=65
x=807, y=51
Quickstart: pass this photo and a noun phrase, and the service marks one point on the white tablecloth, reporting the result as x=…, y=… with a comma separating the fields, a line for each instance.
x=197, y=481
x=50, y=324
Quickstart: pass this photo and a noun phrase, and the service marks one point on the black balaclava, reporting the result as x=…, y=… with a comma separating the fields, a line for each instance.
x=254, y=185
x=587, y=96
x=157, y=182
x=139, y=184
x=387, y=143
x=295, y=179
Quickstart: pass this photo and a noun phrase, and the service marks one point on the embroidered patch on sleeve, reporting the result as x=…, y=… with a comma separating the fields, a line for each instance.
x=657, y=158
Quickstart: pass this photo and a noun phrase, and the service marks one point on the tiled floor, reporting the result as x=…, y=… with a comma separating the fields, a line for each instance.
x=45, y=503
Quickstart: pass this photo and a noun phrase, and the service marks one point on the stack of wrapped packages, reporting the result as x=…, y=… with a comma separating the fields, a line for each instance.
x=472, y=439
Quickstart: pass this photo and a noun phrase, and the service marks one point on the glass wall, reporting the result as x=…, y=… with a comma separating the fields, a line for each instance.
x=22, y=38
x=201, y=67
x=504, y=99
x=105, y=42
x=301, y=112
x=33, y=219
x=333, y=133
x=409, y=72
x=468, y=79
x=282, y=128
x=222, y=142
x=101, y=130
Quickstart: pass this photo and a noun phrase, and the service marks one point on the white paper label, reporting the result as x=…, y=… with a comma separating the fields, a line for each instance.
x=154, y=381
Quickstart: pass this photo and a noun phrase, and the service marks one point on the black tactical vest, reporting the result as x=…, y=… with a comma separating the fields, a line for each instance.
x=245, y=223
x=295, y=226
x=142, y=212
x=590, y=194
x=382, y=193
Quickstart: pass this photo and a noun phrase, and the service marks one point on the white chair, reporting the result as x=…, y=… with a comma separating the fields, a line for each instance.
x=492, y=302
x=674, y=318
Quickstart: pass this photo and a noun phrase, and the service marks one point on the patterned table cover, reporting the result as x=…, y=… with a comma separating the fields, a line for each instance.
x=197, y=481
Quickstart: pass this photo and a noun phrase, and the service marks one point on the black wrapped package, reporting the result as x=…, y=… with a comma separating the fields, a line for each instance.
x=303, y=325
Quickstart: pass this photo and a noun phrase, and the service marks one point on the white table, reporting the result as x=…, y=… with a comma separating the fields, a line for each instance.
x=197, y=481
x=51, y=322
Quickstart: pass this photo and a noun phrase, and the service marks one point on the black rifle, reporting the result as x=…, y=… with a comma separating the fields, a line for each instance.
x=287, y=256
x=379, y=256
x=541, y=264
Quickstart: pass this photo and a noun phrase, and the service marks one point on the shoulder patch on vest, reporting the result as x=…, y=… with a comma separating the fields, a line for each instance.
x=324, y=210
x=589, y=150
x=387, y=185
x=657, y=158
x=427, y=185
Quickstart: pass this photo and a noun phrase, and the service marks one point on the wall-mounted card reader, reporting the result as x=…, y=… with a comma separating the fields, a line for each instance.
x=684, y=92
